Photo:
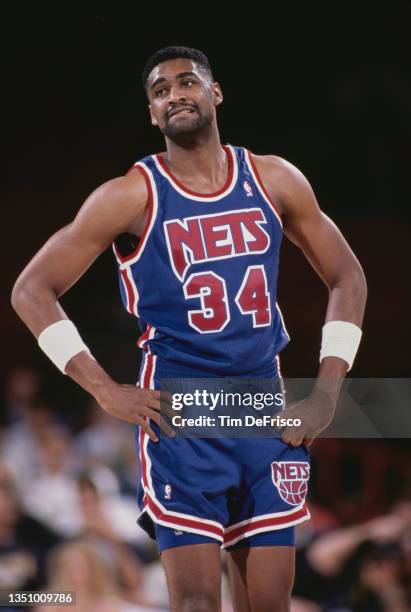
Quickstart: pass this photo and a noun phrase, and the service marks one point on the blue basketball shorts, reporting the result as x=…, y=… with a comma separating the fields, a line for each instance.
x=233, y=491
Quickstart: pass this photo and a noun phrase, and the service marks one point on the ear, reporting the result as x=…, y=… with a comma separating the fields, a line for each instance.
x=153, y=119
x=218, y=94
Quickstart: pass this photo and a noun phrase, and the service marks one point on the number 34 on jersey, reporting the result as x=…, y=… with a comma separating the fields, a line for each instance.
x=213, y=237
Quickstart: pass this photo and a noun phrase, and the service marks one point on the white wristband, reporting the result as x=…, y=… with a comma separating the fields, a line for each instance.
x=340, y=339
x=61, y=341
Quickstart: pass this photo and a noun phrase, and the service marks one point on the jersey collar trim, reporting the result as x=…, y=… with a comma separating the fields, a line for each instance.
x=202, y=197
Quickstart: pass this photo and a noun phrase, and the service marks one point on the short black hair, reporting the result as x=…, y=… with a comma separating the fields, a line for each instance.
x=175, y=52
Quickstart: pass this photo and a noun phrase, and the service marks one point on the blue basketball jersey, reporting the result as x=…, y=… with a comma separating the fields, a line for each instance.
x=203, y=278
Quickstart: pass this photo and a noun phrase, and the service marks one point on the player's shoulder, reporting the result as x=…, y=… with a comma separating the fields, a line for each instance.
x=275, y=165
x=284, y=182
x=120, y=202
x=133, y=184
x=123, y=195
x=279, y=175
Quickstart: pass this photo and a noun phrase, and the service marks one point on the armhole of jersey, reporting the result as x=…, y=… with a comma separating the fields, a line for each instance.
x=124, y=261
x=257, y=179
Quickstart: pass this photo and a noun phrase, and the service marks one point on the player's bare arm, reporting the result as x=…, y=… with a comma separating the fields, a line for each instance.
x=118, y=206
x=331, y=257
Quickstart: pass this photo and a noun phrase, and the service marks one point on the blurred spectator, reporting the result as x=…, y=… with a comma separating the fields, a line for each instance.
x=379, y=582
x=104, y=438
x=111, y=442
x=23, y=387
x=24, y=542
x=96, y=578
x=53, y=480
x=362, y=567
x=22, y=440
x=113, y=515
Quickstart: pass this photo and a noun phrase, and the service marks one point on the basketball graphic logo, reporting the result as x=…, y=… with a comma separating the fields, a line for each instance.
x=291, y=478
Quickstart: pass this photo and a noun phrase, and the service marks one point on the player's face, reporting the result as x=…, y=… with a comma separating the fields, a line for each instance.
x=182, y=98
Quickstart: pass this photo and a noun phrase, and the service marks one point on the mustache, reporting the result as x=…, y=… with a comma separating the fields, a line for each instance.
x=176, y=109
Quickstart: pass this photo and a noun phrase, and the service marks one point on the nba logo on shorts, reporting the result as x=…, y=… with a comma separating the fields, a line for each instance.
x=167, y=491
x=290, y=478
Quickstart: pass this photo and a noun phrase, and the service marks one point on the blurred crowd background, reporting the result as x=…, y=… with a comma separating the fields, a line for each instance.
x=334, y=100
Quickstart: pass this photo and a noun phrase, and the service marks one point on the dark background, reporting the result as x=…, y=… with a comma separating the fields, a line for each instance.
x=329, y=92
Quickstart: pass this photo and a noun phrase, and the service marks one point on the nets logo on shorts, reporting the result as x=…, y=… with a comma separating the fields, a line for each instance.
x=290, y=478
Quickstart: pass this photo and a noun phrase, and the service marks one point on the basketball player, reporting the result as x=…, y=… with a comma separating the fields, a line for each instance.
x=202, y=280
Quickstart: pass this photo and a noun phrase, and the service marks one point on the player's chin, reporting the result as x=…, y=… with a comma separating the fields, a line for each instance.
x=182, y=125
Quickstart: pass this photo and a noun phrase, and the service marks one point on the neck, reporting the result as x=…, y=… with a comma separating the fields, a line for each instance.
x=205, y=156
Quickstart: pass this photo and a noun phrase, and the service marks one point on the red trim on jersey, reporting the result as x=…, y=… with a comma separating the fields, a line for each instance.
x=261, y=184
x=144, y=336
x=265, y=523
x=130, y=293
x=149, y=370
x=195, y=193
x=149, y=217
x=277, y=358
x=143, y=459
x=182, y=521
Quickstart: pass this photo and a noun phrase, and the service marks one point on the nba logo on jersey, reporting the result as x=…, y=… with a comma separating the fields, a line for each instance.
x=248, y=190
x=167, y=491
x=291, y=479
